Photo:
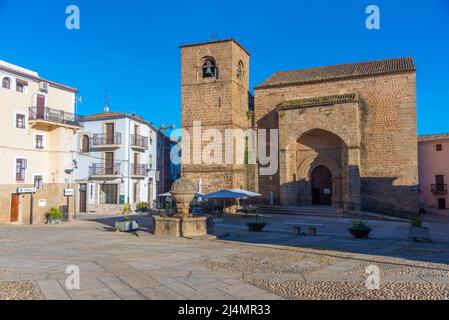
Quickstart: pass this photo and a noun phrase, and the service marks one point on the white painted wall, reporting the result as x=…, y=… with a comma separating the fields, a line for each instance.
x=124, y=154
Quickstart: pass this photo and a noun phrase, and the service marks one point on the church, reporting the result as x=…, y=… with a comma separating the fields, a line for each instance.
x=347, y=135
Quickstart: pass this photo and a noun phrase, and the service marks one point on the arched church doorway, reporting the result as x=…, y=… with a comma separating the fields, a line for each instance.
x=321, y=186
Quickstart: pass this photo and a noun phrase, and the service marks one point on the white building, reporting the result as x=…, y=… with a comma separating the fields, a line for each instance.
x=117, y=156
x=37, y=129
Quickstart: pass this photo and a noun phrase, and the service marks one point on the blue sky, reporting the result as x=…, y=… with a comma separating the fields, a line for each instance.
x=132, y=48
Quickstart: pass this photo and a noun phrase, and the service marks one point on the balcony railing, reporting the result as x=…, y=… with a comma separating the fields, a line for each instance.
x=101, y=169
x=101, y=139
x=139, y=141
x=139, y=169
x=53, y=115
x=438, y=188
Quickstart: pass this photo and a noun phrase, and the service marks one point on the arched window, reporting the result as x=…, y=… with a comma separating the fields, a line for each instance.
x=6, y=83
x=85, y=144
x=209, y=68
x=240, y=70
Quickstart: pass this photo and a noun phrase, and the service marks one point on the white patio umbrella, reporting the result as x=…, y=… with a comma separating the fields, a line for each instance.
x=231, y=194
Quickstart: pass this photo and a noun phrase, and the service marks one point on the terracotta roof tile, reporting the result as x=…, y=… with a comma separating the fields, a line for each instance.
x=29, y=76
x=318, y=101
x=339, y=72
x=433, y=137
x=115, y=115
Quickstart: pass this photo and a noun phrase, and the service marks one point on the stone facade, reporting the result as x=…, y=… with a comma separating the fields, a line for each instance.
x=219, y=102
x=378, y=157
x=52, y=193
x=347, y=133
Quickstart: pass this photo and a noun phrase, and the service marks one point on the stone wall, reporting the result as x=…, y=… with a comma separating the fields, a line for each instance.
x=53, y=193
x=387, y=143
x=216, y=103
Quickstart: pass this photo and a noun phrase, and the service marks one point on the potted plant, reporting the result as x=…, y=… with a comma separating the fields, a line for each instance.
x=416, y=231
x=257, y=225
x=127, y=224
x=55, y=215
x=360, y=229
x=141, y=207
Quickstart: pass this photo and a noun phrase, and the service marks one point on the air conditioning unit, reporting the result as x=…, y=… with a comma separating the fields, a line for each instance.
x=43, y=86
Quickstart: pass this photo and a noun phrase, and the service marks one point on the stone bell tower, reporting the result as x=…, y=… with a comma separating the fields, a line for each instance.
x=214, y=89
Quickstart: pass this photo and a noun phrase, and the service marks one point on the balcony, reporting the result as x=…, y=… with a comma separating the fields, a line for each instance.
x=139, y=170
x=101, y=170
x=439, y=188
x=49, y=119
x=106, y=140
x=139, y=142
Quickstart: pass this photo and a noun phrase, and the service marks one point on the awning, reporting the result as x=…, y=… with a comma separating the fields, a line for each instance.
x=231, y=194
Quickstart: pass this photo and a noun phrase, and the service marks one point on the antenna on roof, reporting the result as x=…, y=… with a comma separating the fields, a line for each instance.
x=106, y=102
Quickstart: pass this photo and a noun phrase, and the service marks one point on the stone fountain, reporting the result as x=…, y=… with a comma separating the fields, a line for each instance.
x=182, y=224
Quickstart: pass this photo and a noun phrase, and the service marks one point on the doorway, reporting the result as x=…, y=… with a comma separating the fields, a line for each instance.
x=83, y=197
x=14, y=208
x=40, y=107
x=109, y=162
x=110, y=128
x=321, y=186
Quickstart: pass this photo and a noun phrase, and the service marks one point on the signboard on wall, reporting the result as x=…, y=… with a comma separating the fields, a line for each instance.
x=69, y=192
x=26, y=190
x=122, y=199
x=42, y=202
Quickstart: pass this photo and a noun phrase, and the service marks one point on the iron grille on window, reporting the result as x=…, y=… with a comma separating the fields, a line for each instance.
x=39, y=141
x=20, y=121
x=20, y=169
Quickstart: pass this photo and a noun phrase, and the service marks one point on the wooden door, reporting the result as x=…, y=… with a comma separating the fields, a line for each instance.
x=110, y=133
x=136, y=164
x=321, y=186
x=40, y=107
x=83, y=197
x=109, y=162
x=14, y=208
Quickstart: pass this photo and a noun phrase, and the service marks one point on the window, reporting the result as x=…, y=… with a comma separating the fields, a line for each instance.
x=20, y=121
x=439, y=179
x=20, y=87
x=39, y=141
x=108, y=194
x=85, y=144
x=240, y=70
x=6, y=83
x=21, y=165
x=38, y=182
x=209, y=68
x=441, y=203
x=439, y=147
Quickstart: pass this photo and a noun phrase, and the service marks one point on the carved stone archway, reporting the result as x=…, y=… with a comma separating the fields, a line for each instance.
x=304, y=174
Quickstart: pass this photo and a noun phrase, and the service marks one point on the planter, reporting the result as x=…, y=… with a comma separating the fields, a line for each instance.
x=360, y=233
x=419, y=234
x=57, y=221
x=126, y=226
x=256, y=226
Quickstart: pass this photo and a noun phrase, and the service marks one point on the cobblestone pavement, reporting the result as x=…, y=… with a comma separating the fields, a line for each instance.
x=274, y=264
x=19, y=290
